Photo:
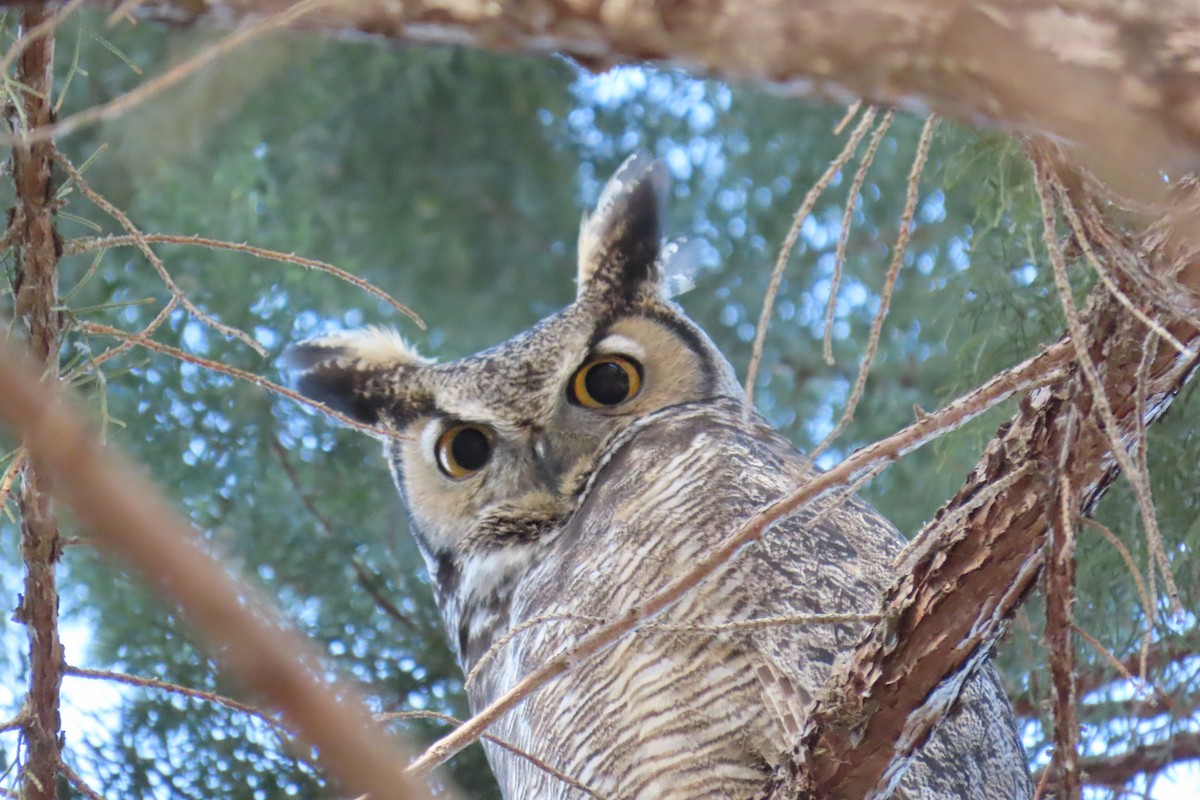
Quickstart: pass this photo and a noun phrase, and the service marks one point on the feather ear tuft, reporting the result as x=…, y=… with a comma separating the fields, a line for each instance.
x=619, y=243
x=367, y=374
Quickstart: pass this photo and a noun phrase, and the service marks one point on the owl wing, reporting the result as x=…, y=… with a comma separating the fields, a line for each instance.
x=835, y=558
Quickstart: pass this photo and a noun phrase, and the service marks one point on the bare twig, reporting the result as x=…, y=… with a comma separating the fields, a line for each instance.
x=1135, y=476
x=45, y=27
x=241, y=374
x=106, y=242
x=184, y=691
x=124, y=102
x=392, y=716
x=78, y=782
x=9, y=475
x=839, y=261
x=516, y=630
x=1060, y=599
x=129, y=516
x=789, y=241
x=1085, y=244
x=123, y=219
x=1036, y=371
x=851, y=111
x=1148, y=608
x=366, y=580
x=889, y=285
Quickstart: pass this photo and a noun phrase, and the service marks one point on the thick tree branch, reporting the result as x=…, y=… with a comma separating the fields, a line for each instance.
x=34, y=238
x=1116, y=771
x=1121, y=78
x=960, y=582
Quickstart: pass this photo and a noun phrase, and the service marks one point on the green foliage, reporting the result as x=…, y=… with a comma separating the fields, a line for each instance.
x=454, y=180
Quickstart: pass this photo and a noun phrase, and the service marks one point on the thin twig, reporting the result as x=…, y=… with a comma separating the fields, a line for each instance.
x=797, y=620
x=392, y=716
x=366, y=580
x=78, y=782
x=889, y=284
x=1036, y=371
x=184, y=691
x=47, y=26
x=123, y=219
x=839, y=261
x=130, y=517
x=241, y=374
x=851, y=111
x=1060, y=599
x=512, y=633
x=1148, y=607
x=124, y=102
x=103, y=243
x=789, y=241
x=1112, y=430
x=13, y=724
x=10, y=474
x=1081, y=236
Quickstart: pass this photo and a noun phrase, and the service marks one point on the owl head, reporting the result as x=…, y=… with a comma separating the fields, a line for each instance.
x=491, y=452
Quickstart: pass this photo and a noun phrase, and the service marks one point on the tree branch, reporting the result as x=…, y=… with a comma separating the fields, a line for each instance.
x=937, y=637
x=1117, y=770
x=130, y=518
x=1122, y=79
x=34, y=238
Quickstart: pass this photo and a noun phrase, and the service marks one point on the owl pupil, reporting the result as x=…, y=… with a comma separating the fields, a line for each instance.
x=470, y=449
x=607, y=383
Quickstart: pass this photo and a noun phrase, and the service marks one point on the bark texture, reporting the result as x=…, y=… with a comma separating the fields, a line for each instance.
x=1120, y=77
x=34, y=238
x=960, y=582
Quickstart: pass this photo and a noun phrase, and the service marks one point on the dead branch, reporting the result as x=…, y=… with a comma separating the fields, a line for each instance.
x=1129, y=70
x=1118, y=769
x=139, y=238
x=839, y=260
x=233, y=372
x=936, y=640
x=79, y=783
x=106, y=242
x=889, y=285
x=130, y=518
x=183, y=691
x=789, y=241
x=1060, y=601
x=391, y=716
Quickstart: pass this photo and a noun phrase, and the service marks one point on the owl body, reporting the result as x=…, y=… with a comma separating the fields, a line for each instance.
x=560, y=479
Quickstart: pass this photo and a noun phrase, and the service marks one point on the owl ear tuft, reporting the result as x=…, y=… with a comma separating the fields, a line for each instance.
x=619, y=244
x=369, y=375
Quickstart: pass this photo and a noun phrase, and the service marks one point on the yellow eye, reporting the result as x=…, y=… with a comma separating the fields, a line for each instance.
x=463, y=450
x=605, y=381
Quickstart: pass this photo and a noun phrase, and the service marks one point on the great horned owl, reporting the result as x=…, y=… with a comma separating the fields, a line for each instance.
x=563, y=476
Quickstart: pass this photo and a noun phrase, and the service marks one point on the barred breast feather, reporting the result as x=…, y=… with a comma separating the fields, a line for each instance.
x=692, y=706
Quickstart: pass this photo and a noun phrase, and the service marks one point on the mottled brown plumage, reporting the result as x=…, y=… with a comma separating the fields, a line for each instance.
x=606, y=449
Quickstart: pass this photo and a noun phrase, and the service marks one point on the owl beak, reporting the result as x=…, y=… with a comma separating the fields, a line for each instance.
x=545, y=462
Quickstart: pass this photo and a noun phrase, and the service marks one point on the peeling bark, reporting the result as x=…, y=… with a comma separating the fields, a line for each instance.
x=959, y=585
x=1121, y=78
x=34, y=238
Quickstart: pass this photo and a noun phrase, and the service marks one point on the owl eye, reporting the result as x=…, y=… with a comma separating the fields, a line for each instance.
x=605, y=381
x=463, y=450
